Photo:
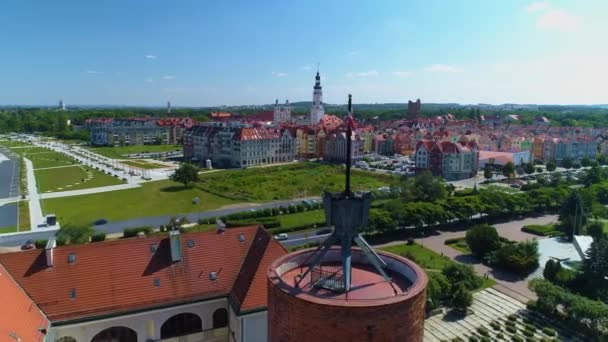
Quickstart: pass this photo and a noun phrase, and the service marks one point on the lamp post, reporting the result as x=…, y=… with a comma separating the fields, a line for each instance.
x=196, y=201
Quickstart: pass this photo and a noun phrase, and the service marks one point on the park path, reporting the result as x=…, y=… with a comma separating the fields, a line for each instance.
x=56, y=167
x=507, y=283
x=89, y=191
x=36, y=216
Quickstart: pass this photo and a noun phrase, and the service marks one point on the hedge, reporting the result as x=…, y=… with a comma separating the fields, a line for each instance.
x=98, y=236
x=540, y=229
x=40, y=244
x=548, y=331
x=131, y=232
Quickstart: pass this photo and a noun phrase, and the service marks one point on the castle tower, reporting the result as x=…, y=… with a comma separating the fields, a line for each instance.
x=169, y=107
x=413, y=109
x=317, y=111
x=282, y=113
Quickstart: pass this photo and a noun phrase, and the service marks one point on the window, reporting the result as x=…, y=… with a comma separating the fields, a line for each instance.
x=72, y=294
x=122, y=334
x=190, y=243
x=156, y=282
x=181, y=325
x=153, y=248
x=220, y=318
x=71, y=258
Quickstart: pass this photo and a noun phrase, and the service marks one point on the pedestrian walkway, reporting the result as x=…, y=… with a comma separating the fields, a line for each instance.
x=36, y=216
x=56, y=167
x=89, y=191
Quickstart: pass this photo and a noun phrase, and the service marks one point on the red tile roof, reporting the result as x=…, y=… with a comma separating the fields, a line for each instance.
x=118, y=276
x=19, y=316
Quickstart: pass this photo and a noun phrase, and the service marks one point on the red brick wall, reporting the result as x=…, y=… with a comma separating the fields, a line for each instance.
x=293, y=319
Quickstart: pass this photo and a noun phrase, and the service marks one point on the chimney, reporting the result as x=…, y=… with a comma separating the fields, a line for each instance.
x=49, y=249
x=176, y=245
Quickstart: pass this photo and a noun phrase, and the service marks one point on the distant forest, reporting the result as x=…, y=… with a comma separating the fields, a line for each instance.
x=52, y=121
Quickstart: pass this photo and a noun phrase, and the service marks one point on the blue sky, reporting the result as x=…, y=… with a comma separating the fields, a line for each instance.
x=198, y=53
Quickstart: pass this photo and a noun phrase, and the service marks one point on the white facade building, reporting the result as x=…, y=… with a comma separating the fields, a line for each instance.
x=282, y=113
x=317, y=111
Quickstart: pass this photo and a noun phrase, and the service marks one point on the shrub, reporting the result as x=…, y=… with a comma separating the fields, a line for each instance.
x=511, y=329
x=457, y=339
x=131, y=232
x=512, y=317
x=531, y=339
x=495, y=325
x=516, y=338
x=482, y=239
x=462, y=274
x=548, y=331
x=483, y=331
x=500, y=336
x=528, y=333
x=462, y=297
x=98, y=236
x=473, y=338
x=486, y=339
x=530, y=327
x=40, y=244
x=540, y=229
x=521, y=258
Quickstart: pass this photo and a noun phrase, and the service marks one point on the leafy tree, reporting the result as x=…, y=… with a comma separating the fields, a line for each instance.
x=567, y=163
x=482, y=239
x=437, y=289
x=601, y=159
x=186, y=174
x=593, y=175
x=380, y=220
x=539, y=169
x=521, y=258
x=487, y=172
x=585, y=162
x=596, y=230
x=424, y=187
x=551, y=269
x=573, y=214
x=74, y=234
x=461, y=298
x=457, y=273
x=508, y=169
x=529, y=168
x=551, y=166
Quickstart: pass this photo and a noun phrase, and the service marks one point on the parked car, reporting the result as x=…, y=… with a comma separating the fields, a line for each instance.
x=29, y=244
x=281, y=237
x=100, y=222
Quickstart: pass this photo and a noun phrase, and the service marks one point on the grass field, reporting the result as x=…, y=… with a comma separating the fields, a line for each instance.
x=301, y=219
x=424, y=257
x=49, y=159
x=119, y=152
x=460, y=245
x=24, y=216
x=13, y=143
x=29, y=150
x=142, y=164
x=72, y=178
x=152, y=199
x=287, y=181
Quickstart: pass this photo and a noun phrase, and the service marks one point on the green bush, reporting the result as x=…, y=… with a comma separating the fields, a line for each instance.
x=530, y=327
x=548, y=331
x=540, y=229
x=531, y=339
x=457, y=339
x=500, y=336
x=473, y=338
x=483, y=331
x=98, y=236
x=511, y=329
x=486, y=339
x=528, y=333
x=482, y=239
x=40, y=244
x=131, y=232
x=516, y=338
x=495, y=325
x=512, y=317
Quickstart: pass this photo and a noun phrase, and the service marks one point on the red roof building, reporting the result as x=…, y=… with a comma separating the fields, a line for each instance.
x=135, y=279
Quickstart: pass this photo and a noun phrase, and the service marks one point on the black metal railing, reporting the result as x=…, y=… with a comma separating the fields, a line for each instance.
x=328, y=277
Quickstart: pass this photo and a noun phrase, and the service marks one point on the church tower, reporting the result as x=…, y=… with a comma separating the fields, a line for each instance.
x=281, y=113
x=317, y=111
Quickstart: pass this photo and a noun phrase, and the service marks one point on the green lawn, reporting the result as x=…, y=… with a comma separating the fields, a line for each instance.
x=7, y=230
x=460, y=245
x=119, y=152
x=301, y=219
x=30, y=150
x=287, y=181
x=152, y=199
x=50, y=159
x=424, y=257
x=142, y=164
x=13, y=143
x=24, y=216
x=71, y=178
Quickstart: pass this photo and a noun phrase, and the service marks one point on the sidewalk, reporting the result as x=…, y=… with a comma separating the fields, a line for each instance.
x=89, y=191
x=36, y=216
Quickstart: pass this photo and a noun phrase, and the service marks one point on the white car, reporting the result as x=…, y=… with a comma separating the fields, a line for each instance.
x=281, y=237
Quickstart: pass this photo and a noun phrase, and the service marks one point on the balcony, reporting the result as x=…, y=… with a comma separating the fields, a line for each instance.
x=211, y=335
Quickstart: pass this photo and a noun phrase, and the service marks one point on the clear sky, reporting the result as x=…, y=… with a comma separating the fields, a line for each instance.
x=199, y=53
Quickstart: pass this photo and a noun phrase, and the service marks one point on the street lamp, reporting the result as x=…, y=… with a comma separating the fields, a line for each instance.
x=196, y=201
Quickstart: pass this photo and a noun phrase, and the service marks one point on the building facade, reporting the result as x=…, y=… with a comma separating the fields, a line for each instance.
x=238, y=145
x=452, y=161
x=137, y=131
x=317, y=111
x=185, y=287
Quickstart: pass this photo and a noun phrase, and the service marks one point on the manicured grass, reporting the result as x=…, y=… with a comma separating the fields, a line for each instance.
x=119, y=152
x=302, y=219
x=287, y=181
x=29, y=150
x=424, y=257
x=460, y=245
x=50, y=159
x=24, y=216
x=152, y=199
x=541, y=229
x=142, y=164
x=71, y=178
x=7, y=230
x=13, y=143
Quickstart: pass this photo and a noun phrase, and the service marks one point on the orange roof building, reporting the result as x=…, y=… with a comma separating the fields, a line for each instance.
x=138, y=289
